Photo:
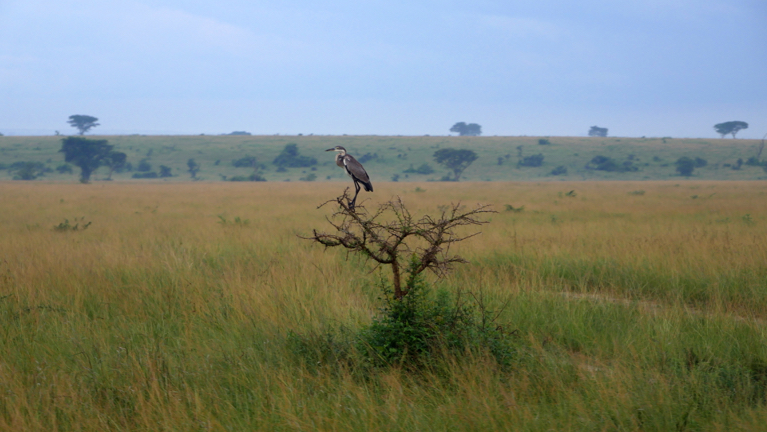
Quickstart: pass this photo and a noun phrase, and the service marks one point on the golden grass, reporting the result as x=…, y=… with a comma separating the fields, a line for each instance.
x=160, y=316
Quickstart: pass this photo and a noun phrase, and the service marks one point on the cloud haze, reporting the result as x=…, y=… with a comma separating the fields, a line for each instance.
x=640, y=68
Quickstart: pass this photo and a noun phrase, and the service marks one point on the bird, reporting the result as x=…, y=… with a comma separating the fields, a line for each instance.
x=355, y=171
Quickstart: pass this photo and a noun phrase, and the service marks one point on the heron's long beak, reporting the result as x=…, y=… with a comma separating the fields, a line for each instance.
x=330, y=149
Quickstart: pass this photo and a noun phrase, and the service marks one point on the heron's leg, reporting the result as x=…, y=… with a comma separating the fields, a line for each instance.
x=357, y=191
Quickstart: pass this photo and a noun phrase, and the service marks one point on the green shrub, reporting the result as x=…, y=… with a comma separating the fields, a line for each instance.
x=144, y=166
x=685, y=166
x=604, y=163
x=64, y=169
x=422, y=330
x=145, y=175
x=423, y=169
x=289, y=158
x=532, y=161
x=560, y=170
x=253, y=177
x=244, y=162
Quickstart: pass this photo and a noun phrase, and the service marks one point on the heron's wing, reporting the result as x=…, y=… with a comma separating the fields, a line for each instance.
x=357, y=171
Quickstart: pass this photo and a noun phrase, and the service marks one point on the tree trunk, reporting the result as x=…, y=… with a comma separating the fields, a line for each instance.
x=398, y=294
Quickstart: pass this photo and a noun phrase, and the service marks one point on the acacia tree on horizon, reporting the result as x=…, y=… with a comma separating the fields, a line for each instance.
x=463, y=129
x=730, y=128
x=83, y=123
x=597, y=131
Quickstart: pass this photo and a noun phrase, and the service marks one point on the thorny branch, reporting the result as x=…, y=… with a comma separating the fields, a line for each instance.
x=393, y=242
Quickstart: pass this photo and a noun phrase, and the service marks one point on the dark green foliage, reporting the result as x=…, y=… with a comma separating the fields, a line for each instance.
x=700, y=162
x=422, y=330
x=531, y=161
x=252, y=177
x=289, y=158
x=27, y=170
x=685, y=166
x=115, y=161
x=85, y=153
x=145, y=175
x=194, y=168
x=544, y=141
x=455, y=160
x=165, y=171
x=144, y=166
x=597, y=131
x=604, y=163
x=463, y=129
x=730, y=128
x=83, y=123
x=64, y=169
x=245, y=162
x=240, y=133
x=423, y=169
x=560, y=170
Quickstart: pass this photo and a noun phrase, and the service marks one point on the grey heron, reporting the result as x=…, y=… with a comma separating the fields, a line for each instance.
x=355, y=171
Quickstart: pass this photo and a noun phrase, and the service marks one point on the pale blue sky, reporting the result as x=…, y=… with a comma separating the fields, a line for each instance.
x=639, y=68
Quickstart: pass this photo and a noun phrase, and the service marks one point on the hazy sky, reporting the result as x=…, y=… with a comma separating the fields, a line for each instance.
x=638, y=67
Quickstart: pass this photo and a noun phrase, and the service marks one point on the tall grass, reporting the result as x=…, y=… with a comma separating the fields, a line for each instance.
x=632, y=311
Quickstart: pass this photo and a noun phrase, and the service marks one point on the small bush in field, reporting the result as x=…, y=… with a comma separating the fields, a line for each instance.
x=67, y=226
x=415, y=328
x=252, y=177
x=418, y=331
x=560, y=170
x=531, y=161
x=423, y=169
x=685, y=166
x=145, y=175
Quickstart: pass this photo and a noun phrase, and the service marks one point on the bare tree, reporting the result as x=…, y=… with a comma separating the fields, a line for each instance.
x=401, y=238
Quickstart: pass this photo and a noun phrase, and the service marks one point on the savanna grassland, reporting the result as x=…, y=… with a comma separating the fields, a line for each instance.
x=637, y=306
x=403, y=157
